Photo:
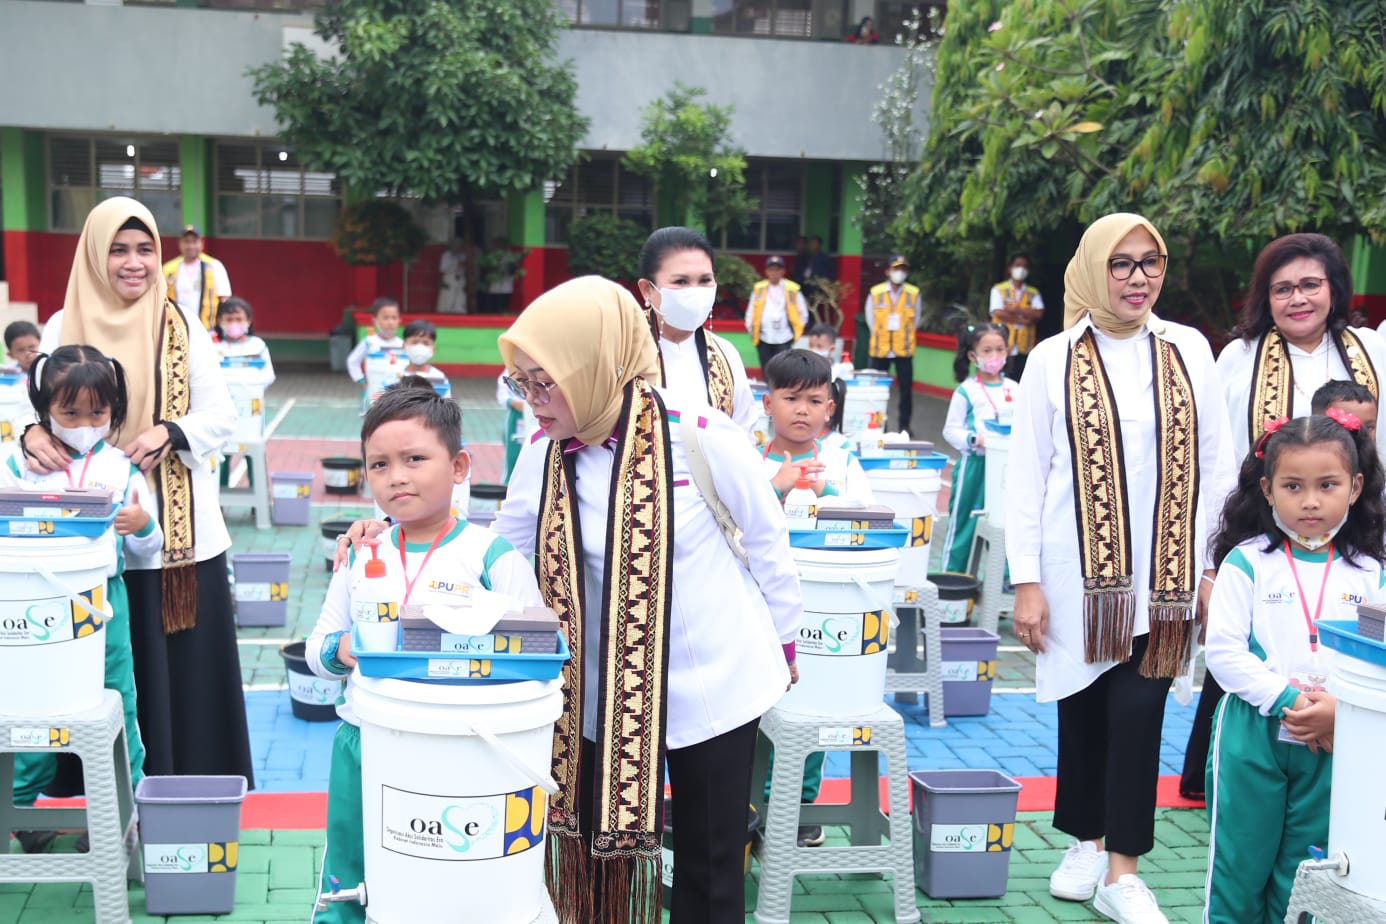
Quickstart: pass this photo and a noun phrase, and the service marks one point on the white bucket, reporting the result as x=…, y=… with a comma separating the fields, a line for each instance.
x=868, y=396
x=913, y=495
x=452, y=782
x=247, y=387
x=841, y=647
x=383, y=369
x=1356, y=826
x=14, y=407
x=52, y=646
x=998, y=449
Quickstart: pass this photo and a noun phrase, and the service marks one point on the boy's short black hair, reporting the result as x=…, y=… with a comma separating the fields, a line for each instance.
x=1340, y=390
x=414, y=398
x=16, y=329
x=383, y=301
x=420, y=328
x=798, y=369
x=823, y=329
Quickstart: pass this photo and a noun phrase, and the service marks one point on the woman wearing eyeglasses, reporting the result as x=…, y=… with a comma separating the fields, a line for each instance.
x=1294, y=337
x=1122, y=424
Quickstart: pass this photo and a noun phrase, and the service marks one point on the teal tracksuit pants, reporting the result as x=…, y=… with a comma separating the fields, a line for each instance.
x=345, y=856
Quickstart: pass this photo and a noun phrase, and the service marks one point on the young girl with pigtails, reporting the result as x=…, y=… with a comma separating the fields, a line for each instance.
x=1301, y=540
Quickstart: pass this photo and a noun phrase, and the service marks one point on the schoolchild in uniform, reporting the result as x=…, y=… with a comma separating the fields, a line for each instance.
x=79, y=396
x=420, y=338
x=985, y=395
x=412, y=441
x=384, y=337
x=235, y=338
x=1347, y=396
x=802, y=403
x=1301, y=540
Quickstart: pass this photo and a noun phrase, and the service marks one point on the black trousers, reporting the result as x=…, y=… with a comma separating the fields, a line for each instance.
x=711, y=784
x=1191, y=782
x=903, y=372
x=1015, y=366
x=768, y=351
x=1109, y=757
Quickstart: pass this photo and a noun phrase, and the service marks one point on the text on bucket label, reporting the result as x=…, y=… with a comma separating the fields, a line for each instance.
x=982, y=838
x=219, y=857
x=313, y=690
x=461, y=828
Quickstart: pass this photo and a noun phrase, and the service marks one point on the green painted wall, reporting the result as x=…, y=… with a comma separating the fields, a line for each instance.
x=818, y=200
x=1368, y=267
x=526, y=218
x=850, y=205
x=195, y=158
x=474, y=345
x=22, y=179
x=934, y=366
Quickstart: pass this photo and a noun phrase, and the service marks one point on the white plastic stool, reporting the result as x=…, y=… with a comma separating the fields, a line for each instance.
x=906, y=674
x=1318, y=895
x=257, y=496
x=98, y=739
x=794, y=737
x=989, y=554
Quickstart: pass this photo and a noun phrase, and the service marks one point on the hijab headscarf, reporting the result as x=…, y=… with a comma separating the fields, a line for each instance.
x=94, y=314
x=1085, y=280
x=590, y=337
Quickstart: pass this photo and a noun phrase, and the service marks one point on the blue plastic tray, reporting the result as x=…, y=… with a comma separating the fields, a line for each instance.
x=902, y=463
x=51, y=527
x=242, y=362
x=996, y=427
x=846, y=539
x=445, y=667
x=1341, y=635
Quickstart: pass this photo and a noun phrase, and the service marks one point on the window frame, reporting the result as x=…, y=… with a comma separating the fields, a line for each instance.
x=574, y=16
x=94, y=187
x=580, y=207
x=262, y=168
x=773, y=33
x=760, y=211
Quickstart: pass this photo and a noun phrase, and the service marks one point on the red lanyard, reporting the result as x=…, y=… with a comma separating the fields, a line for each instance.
x=987, y=394
x=81, y=478
x=766, y=453
x=1318, y=609
x=408, y=581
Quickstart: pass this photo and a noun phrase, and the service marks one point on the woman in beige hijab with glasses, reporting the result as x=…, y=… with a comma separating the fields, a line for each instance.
x=1120, y=461
x=676, y=644
x=187, y=670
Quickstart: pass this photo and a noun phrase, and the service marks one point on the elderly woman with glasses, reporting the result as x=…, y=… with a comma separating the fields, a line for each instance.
x=1122, y=429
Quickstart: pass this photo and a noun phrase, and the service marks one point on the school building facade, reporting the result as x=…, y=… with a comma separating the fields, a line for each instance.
x=152, y=100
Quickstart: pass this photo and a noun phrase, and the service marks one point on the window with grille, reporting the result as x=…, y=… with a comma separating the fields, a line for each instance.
x=780, y=18
x=613, y=14
x=263, y=190
x=776, y=193
x=594, y=186
x=83, y=171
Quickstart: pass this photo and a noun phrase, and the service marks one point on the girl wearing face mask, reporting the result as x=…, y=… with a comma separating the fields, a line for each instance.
x=678, y=287
x=981, y=396
x=235, y=336
x=79, y=396
x=419, y=339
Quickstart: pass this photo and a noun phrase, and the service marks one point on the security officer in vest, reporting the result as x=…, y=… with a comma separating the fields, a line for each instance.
x=196, y=281
x=1018, y=308
x=776, y=314
x=892, y=317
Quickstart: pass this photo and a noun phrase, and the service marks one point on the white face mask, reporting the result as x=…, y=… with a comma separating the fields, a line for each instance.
x=419, y=353
x=1019, y=273
x=826, y=354
x=81, y=439
x=1312, y=543
x=687, y=308
x=898, y=276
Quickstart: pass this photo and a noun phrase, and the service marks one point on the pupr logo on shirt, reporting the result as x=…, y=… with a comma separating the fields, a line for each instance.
x=450, y=588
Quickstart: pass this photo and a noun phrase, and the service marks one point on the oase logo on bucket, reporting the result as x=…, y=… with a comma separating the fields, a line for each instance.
x=44, y=623
x=456, y=828
x=315, y=691
x=175, y=858
x=846, y=634
x=982, y=838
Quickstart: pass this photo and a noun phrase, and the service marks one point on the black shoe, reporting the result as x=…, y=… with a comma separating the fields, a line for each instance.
x=35, y=841
x=810, y=836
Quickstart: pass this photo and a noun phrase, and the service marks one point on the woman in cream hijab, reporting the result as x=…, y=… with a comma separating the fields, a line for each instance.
x=1120, y=462
x=676, y=644
x=187, y=670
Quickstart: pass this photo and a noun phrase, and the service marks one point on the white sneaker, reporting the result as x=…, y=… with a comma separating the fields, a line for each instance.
x=1129, y=901
x=1083, y=867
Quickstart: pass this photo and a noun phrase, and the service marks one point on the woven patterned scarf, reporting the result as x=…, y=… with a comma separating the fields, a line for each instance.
x=1273, y=377
x=625, y=856
x=1104, y=515
x=173, y=482
x=721, y=391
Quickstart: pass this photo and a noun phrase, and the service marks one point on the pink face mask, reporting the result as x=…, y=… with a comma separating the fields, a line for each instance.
x=991, y=365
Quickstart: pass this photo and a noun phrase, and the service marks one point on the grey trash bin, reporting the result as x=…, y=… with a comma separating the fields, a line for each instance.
x=964, y=823
x=339, y=346
x=190, y=827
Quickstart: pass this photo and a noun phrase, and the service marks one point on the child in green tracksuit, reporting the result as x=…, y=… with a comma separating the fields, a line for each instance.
x=412, y=440
x=1301, y=540
x=79, y=396
x=987, y=395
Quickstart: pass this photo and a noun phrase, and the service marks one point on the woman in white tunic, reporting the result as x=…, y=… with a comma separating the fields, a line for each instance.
x=1122, y=424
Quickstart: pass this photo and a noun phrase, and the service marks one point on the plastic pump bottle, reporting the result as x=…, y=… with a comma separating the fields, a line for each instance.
x=801, y=503
x=375, y=604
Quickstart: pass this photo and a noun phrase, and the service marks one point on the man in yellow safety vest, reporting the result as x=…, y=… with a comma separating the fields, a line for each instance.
x=892, y=316
x=1018, y=308
x=196, y=281
x=776, y=313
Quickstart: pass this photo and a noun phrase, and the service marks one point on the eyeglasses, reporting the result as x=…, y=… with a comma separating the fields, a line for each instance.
x=535, y=392
x=1151, y=267
x=1308, y=285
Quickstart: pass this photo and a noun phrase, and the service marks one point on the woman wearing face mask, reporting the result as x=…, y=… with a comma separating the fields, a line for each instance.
x=1123, y=427
x=1018, y=308
x=187, y=670
x=678, y=286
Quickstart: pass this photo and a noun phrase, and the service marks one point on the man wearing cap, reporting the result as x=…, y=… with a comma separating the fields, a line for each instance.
x=775, y=317
x=1018, y=307
x=196, y=281
x=892, y=316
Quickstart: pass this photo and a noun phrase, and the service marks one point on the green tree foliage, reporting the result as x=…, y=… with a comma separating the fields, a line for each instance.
x=376, y=232
x=602, y=244
x=441, y=99
x=686, y=149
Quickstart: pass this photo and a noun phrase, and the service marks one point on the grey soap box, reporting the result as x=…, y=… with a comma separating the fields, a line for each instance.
x=533, y=630
x=94, y=503
x=1371, y=621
